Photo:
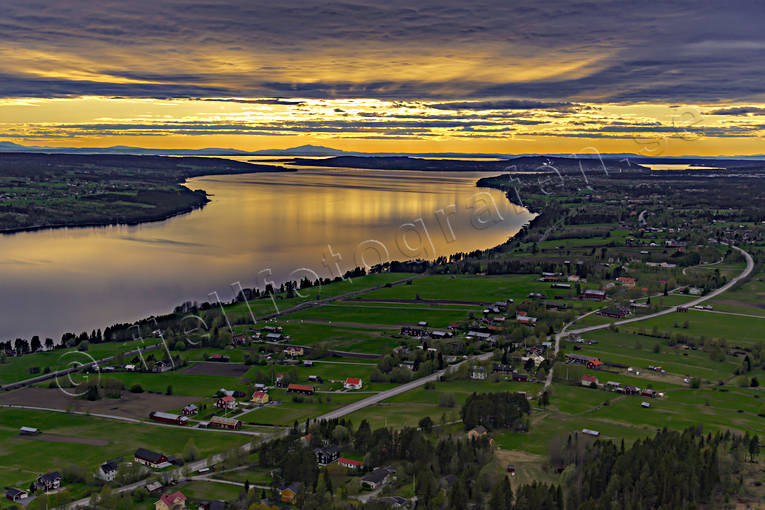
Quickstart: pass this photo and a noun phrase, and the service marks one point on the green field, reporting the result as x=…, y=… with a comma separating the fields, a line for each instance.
x=17, y=369
x=183, y=384
x=23, y=459
x=738, y=330
x=287, y=412
x=357, y=313
x=470, y=288
x=366, y=340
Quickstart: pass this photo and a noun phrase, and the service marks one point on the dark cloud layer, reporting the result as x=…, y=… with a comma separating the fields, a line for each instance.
x=607, y=51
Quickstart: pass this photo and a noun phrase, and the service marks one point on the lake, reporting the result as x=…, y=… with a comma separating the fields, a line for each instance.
x=257, y=228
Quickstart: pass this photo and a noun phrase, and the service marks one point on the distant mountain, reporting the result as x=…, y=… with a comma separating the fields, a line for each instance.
x=317, y=151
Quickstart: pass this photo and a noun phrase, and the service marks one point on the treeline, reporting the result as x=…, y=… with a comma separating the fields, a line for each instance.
x=672, y=470
x=495, y=410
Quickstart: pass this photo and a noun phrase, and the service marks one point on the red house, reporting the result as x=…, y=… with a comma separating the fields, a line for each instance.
x=350, y=463
x=600, y=295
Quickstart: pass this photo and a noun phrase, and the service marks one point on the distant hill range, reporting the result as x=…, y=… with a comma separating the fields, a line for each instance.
x=401, y=159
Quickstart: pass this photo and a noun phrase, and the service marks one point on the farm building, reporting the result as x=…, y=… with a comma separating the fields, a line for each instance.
x=149, y=458
x=415, y=332
x=560, y=286
x=219, y=422
x=173, y=419
x=594, y=294
x=227, y=402
x=260, y=397
x=190, y=410
x=174, y=501
x=503, y=369
x=614, y=312
x=15, y=495
x=273, y=337
x=49, y=481
x=300, y=388
x=219, y=358
x=153, y=487
x=588, y=361
x=327, y=455
x=626, y=281
x=352, y=383
x=479, y=334
x=350, y=463
x=239, y=339
x=511, y=469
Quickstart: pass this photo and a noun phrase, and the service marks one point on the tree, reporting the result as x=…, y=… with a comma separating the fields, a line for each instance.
x=754, y=448
x=169, y=390
x=190, y=451
x=426, y=425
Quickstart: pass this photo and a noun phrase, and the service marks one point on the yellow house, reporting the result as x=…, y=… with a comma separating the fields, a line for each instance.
x=175, y=501
x=260, y=397
x=477, y=432
x=289, y=493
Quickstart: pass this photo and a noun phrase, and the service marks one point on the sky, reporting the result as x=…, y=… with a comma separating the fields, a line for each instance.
x=652, y=78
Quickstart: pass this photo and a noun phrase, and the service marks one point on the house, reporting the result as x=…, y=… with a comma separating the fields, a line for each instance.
x=478, y=373
x=375, y=479
x=153, y=487
x=172, y=419
x=626, y=281
x=589, y=380
x=415, y=332
x=315, y=379
x=499, y=368
x=613, y=385
x=441, y=334
x=49, y=481
x=594, y=294
x=294, y=351
x=394, y=501
x=239, y=339
x=29, y=431
x=352, y=383
x=479, y=334
x=273, y=337
x=219, y=422
x=478, y=431
x=327, y=455
x=260, y=397
x=525, y=319
x=150, y=458
x=15, y=495
x=647, y=392
x=289, y=493
x=190, y=410
x=300, y=388
x=350, y=463
x=511, y=469
x=174, y=501
x=108, y=470
x=573, y=278
x=227, y=402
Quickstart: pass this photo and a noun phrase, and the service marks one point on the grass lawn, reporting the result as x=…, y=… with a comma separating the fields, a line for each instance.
x=353, y=339
x=469, y=288
x=211, y=490
x=737, y=330
x=287, y=412
x=623, y=348
x=23, y=459
x=266, y=306
x=327, y=371
x=17, y=369
x=391, y=314
x=183, y=384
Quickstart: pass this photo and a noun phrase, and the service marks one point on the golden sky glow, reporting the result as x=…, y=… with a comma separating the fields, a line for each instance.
x=433, y=76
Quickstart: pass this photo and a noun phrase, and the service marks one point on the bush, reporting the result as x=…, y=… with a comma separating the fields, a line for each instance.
x=136, y=388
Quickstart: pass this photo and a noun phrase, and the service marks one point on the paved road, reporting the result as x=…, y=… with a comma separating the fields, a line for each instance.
x=384, y=395
x=641, y=216
x=746, y=272
x=564, y=331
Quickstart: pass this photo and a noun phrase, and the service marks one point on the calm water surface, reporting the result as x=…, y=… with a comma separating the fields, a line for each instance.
x=257, y=227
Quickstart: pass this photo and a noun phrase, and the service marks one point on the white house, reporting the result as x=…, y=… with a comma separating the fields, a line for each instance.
x=352, y=383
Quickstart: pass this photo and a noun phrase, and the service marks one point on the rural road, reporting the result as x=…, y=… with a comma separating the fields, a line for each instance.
x=384, y=395
x=564, y=332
